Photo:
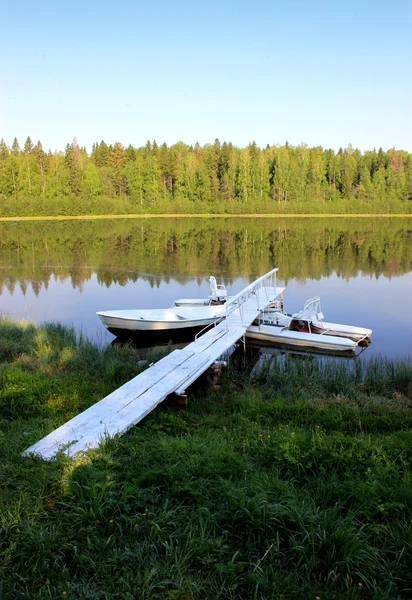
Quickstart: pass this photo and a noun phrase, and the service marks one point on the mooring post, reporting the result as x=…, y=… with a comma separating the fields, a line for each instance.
x=179, y=401
x=214, y=374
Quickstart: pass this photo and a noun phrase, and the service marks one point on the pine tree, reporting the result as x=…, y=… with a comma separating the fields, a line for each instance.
x=42, y=163
x=255, y=174
x=166, y=172
x=28, y=146
x=72, y=159
x=117, y=160
x=6, y=186
x=227, y=171
x=102, y=154
x=130, y=152
x=15, y=147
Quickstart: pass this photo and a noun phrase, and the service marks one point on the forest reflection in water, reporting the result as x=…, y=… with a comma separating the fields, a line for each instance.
x=67, y=270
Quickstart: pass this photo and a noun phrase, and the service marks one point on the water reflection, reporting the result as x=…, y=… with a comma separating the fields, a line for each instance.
x=119, y=252
x=144, y=344
x=265, y=352
x=66, y=271
x=252, y=354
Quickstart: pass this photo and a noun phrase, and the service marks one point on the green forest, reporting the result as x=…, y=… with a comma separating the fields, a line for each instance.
x=209, y=179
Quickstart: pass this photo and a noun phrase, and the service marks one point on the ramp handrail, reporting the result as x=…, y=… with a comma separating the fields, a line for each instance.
x=237, y=301
x=256, y=284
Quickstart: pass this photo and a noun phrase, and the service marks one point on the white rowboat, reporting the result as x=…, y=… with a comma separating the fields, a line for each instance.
x=122, y=322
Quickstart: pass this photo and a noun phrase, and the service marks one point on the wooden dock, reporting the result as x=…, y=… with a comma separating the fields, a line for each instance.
x=130, y=403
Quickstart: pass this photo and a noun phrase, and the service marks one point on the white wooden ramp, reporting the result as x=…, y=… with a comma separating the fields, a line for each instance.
x=129, y=404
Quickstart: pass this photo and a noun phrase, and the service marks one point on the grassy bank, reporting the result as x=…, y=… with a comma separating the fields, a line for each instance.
x=201, y=215
x=296, y=484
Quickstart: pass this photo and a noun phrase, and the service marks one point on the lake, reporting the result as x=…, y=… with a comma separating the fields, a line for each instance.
x=65, y=271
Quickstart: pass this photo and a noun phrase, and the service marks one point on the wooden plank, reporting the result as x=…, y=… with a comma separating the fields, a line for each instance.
x=83, y=422
x=129, y=404
x=119, y=421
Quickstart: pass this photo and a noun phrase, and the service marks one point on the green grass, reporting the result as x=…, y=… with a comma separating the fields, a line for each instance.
x=295, y=484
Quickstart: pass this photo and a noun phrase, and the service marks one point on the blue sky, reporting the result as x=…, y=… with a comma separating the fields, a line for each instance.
x=316, y=72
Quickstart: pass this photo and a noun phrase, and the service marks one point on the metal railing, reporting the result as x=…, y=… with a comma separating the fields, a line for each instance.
x=265, y=282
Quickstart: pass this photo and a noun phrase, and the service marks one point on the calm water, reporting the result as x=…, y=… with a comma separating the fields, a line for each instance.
x=66, y=271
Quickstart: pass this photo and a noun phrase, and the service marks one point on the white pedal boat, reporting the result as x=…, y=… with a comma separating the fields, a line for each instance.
x=134, y=321
x=310, y=320
x=279, y=334
x=307, y=329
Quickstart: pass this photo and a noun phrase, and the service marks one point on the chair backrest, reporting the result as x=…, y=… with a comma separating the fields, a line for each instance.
x=217, y=292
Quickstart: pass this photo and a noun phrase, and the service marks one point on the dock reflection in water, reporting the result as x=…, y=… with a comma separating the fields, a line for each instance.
x=250, y=357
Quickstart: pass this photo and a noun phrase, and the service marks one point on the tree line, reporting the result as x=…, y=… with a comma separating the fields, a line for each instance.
x=213, y=178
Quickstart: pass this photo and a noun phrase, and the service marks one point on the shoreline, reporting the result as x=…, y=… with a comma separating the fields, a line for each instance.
x=208, y=216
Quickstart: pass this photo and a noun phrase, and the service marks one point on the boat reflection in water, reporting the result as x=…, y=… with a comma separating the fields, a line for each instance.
x=148, y=344
x=145, y=347
x=284, y=350
x=248, y=354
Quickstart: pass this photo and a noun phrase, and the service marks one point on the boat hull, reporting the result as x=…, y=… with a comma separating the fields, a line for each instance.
x=157, y=336
x=280, y=335
x=190, y=320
